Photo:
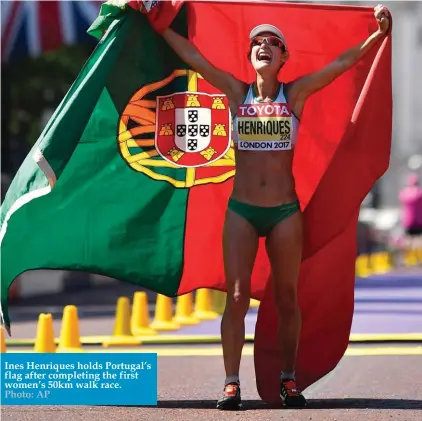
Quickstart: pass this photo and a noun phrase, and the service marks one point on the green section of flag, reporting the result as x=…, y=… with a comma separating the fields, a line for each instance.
x=102, y=215
x=77, y=107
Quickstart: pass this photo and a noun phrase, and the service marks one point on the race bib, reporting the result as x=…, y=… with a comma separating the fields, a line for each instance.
x=263, y=127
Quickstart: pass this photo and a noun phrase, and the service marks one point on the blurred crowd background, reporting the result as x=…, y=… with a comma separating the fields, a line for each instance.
x=44, y=46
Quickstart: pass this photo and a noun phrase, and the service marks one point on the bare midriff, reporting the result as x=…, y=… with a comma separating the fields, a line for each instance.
x=264, y=178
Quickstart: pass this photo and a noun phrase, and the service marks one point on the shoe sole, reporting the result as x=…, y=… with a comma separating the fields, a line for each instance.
x=292, y=406
x=229, y=406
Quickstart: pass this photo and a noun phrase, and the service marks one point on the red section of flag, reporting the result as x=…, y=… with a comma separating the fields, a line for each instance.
x=343, y=148
x=326, y=299
x=50, y=31
x=326, y=283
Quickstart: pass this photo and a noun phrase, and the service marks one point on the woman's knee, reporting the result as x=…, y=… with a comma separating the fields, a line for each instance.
x=238, y=301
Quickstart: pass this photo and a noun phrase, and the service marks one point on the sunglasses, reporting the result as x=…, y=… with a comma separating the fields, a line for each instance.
x=274, y=41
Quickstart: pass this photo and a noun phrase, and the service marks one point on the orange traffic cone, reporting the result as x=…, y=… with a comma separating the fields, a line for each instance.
x=70, y=340
x=44, y=341
x=184, y=310
x=139, y=323
x=2, y=340
x=204, y=305
x=163, y=319
x=122, y=334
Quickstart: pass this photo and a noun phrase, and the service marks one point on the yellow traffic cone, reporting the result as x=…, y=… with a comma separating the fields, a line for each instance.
x=410, y=258
x=122, y=334
x=184, y=310
x=380, y=263
x=2, y=340
x=363, y=268
x=254, y=303
x=419, y=255
x=204, y=305
x=44, y=341
x=374, y=262
x=139, y=322
x=387, y=261
x=219, y=300
x=70, y=340
x=163, y=319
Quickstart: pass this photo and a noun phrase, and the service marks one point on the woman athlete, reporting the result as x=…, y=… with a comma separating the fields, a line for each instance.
x=263, y=201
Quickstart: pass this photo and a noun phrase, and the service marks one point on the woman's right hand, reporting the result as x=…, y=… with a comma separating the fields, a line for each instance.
x=382, y=15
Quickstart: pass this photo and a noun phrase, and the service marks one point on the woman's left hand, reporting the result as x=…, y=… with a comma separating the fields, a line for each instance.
x=382, y=15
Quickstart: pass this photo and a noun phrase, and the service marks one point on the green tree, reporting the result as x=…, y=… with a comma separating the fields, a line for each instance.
x=30, y=86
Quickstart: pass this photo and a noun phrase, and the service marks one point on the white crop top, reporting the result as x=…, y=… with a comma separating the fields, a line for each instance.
x=265, y=126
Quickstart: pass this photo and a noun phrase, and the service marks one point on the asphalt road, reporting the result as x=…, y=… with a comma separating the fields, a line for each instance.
x=366, y=388
x=372, y=382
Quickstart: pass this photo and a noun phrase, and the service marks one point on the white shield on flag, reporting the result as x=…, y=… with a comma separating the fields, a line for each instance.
x=193, y=129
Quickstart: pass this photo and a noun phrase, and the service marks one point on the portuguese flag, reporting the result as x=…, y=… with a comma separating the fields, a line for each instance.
x=131, y=176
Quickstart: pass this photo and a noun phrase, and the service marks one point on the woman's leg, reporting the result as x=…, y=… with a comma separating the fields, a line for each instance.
x=284, y=248
x=240, y=245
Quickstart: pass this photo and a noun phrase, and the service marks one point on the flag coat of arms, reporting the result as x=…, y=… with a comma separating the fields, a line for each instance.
x=192, y=129
x=131, y=177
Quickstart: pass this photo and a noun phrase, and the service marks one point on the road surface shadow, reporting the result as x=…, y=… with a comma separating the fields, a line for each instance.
x=348, y=403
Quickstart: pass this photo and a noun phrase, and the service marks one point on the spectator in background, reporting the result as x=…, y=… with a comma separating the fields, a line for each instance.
x=411, y=208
